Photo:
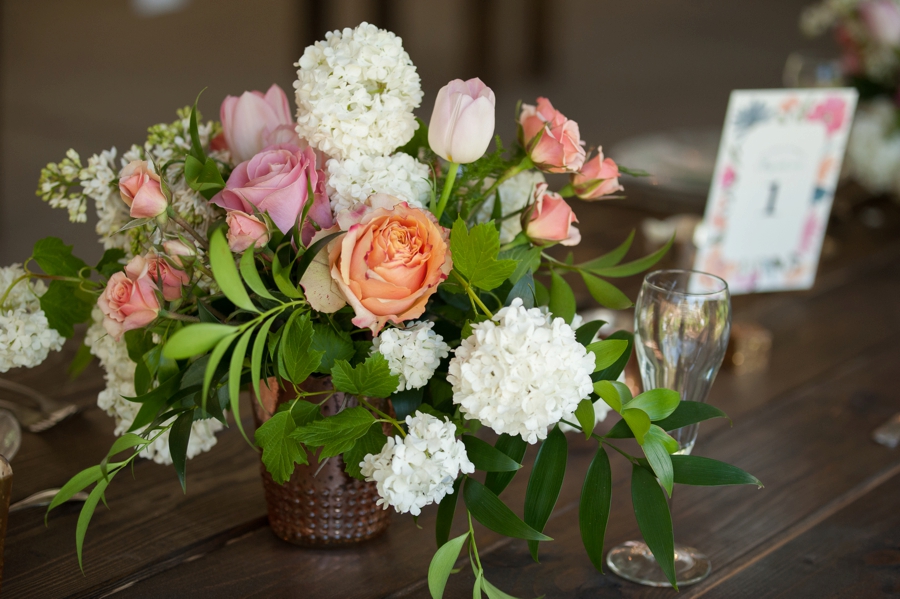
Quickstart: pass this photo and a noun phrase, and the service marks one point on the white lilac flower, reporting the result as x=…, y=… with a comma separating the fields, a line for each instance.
x=515, y=193
x=119, y=375
x=353, y=179
x=520, y=372
x=412, y=353
x=419, y=469
x=356, y=92
x=873, y=149
x=26, y=338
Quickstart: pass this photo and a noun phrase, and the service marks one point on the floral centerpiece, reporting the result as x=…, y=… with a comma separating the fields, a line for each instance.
x=404, y=265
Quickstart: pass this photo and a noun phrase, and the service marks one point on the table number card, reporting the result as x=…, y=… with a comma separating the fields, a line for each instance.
x=777, y=167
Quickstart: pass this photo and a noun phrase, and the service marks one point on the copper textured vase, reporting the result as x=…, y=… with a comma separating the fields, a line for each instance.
x=321, y=505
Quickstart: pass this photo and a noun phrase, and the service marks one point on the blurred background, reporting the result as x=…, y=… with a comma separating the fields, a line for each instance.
x=93, y=74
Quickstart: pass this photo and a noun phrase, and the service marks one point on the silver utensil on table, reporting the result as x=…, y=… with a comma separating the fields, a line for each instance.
x=43, y=498
x=10, y=434
x=49, y=412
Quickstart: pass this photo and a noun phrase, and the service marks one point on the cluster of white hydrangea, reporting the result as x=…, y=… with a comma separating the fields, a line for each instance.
x=873, y=150
x=25, y=334
x=412, y=353
x=356, y=92
x=419, y=469
x=353, y=179
x=119, y=369
x=520, y=372
x=515, y=194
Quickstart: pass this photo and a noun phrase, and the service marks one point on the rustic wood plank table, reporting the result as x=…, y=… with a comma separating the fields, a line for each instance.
x=827, y=523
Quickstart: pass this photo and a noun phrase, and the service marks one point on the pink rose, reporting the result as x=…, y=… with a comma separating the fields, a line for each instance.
x=598, y=177
x=882, y=18
x=277, y=181
x=549, y=219
x=245, y=230
x=166, y=276
x=129, y=300
x=255, y=121
x=386, y=266
x=140, y=189
x=462, y=123
x=551, y=140
x=176, y=249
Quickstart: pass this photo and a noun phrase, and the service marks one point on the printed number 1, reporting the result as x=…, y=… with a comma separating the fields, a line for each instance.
x=773, y=195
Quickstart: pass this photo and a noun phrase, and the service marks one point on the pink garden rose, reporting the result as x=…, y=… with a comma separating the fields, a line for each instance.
x=462, y=123
x=245, y=230
x=549, y=219
x=277, y=181
x=140, y=189
x=882, y=19
x=254, y=121
x=552, y=141
x=167, y=277
x=598, y=177
x=386, y=266
x=129, y=300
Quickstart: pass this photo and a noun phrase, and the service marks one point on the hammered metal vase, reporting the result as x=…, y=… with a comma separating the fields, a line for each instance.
x=321, y=505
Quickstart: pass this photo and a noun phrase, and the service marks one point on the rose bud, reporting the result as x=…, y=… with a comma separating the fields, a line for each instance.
x=254, y=121
x=462, y=122
x=167, y=277
x=245, y=230
x=129, y=300
x=140, y=189
x=552, y=141
x=598, y=177
x=549, y=219
x=179, y=252
x=882, y=19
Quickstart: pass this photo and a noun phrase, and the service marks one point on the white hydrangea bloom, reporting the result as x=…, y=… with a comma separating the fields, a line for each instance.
x=354, y=179
x=119, y=369
x=520, y=372
x=515, y=194
x=413, y=353
x=419, y=469
x=873, y=150
x=356, y=92
x=26, y=338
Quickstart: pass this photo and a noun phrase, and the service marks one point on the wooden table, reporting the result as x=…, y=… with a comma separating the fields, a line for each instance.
x=827, y=523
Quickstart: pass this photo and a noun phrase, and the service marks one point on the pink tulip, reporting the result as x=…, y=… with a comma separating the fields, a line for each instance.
x=253, y=121
x=129, y=301
x=462, y=123
x=549, y=219
x=882, y=18
x=140, y=189
x=552, y=141
x=598, y=177
x=245, y=230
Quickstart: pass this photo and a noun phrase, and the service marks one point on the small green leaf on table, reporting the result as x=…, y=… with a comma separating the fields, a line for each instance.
x=487, y=508
x=442, y=564
x=87, y=512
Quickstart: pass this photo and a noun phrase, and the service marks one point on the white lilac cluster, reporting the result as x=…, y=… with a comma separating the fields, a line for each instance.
x=353, y=179
x=119, y=374
x=520, y=372
x=419, y=469
x=25, y=334
x=873, y=149
x=356, y=92
x=413, y=353
x=515, y=193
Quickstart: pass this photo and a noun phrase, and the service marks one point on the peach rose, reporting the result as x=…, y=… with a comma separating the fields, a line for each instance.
x=179, y=252
x=598, y=177
x=140, y=189
x=166, y=276
x=245, y=230
x=129, y=300
x=552, y=141
x=386, y=266
x=549, y=219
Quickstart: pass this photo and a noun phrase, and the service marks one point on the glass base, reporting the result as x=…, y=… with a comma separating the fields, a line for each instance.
x=634, y=561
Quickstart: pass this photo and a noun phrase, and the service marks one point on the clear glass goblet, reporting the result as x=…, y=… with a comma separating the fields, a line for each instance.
x=682, y=322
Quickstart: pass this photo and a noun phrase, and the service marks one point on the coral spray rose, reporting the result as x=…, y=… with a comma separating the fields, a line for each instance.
x=129, y=300
x=462, y=123
x=168, y=279
x=245, y=230
x=254, y=121
x=598, y=177
x=552, y=141
x=549, y=219
x=140, y=189
x=386, y=266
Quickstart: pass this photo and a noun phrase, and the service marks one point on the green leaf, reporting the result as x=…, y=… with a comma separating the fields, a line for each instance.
x=109, y=263
x=66, y=305
x=370, y=443
x=638, y=422
x=203, y=177
x=610, y=259
x=607, y=352
x=476, y=588
x=196, y=147
x=614, y=393
x=215, y=358
x=654, y=520
x=55, y=258
x=372, y=378
x=487, y=508
x=282, y=277
x=300, y=360
x=524, y=290
x=310, y=254
x=605, y=293
x=615, y=371
x=335, y=434
x=656, y=403
x=406, y=402
x=475, y=255
x=687, y=412
x=492, y=591
x=251, y=276
x=82, y=360
x=633, y=268
x=594, y=508
x=256, y=354
x=659, y=460
x=663, y=437
x=486, y=457
x=75, y=484
x=234, y=379
x=586, y=332
x=696, y=470
x=446, y=510
x=280, y=451
x=126, y=441
x=226, y=273
x=562, y=298
x=303, y=412
x=442, y=564
x=179, y=436
x=545, y=483
x=196, y=339
x=334, y=345
x=514, y=446
x=527, y=258
x=586, y=417
x=87, y=512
